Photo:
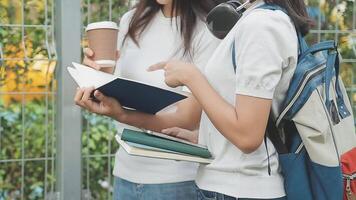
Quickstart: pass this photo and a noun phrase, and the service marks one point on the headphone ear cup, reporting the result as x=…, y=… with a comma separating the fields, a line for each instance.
x=234, y=3
x=223, y=18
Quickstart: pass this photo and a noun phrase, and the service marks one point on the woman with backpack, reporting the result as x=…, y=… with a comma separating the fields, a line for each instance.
x=158, y=30
x=238, y=102
x=237, y=93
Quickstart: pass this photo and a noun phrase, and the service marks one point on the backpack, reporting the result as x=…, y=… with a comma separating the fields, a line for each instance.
x=316, y=126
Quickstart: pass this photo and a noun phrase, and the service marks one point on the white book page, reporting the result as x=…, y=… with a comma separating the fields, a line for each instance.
x=88, y=77
x=74, y=73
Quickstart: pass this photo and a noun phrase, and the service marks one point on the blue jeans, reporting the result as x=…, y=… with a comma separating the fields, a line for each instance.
x=125, y=190
x=208, y=195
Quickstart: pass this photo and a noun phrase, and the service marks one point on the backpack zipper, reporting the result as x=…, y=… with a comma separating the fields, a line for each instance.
x=300, y=147
x=307, y=78
x=348, y=185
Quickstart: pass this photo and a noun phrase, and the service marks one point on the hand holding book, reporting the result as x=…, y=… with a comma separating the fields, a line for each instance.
x=130, y=93
x=191, y=136
x=156, y=145
x=103, y=106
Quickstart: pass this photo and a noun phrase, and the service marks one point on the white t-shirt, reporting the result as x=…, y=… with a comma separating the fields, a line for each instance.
x=266, y=56
x=161, y=41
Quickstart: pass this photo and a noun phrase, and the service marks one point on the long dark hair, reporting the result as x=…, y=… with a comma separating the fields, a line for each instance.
x=297, y=12
x=188, y=10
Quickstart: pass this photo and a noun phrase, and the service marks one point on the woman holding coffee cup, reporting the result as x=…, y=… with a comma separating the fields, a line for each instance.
x=155, y=30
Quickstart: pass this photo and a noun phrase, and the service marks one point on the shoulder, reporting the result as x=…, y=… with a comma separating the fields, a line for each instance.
x=124, y=28
x=126, y=18
x=267, y=29
x=264, y=20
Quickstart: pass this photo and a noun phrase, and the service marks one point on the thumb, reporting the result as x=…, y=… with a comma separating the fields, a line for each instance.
x=101, y=97
x=157, y=66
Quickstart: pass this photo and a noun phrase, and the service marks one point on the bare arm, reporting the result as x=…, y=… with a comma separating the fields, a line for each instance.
x=243, y=123
x=186, y=116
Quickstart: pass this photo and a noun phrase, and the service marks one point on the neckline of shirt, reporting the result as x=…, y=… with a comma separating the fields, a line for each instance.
x=163, y=18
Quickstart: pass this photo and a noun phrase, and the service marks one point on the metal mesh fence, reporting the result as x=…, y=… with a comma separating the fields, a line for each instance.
x=27, y=99
x=28, y=93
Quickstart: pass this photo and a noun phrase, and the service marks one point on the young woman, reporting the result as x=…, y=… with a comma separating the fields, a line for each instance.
x=159, y=30
x=236, y=106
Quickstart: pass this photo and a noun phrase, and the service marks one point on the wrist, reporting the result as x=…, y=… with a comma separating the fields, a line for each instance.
x=190, y=75
x=193, y=77
x=121, y=116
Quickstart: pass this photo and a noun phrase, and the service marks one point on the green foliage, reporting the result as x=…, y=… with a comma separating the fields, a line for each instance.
x=34, y=120
x=98, y=141
x=98, y=10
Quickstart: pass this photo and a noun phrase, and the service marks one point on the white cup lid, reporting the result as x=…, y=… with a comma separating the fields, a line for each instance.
x=106, y=63
x=102, y=25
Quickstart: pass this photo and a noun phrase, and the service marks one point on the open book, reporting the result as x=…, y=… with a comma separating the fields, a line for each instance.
x=130, y=93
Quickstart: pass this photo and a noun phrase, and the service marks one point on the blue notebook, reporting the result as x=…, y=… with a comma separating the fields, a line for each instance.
x=131, y=94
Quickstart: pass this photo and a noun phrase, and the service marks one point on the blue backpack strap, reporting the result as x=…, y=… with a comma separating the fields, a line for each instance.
x=332, y=64
x=322, y=46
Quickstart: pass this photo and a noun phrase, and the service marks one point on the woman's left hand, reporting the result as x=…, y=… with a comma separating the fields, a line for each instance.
x=177, y=73
x=191, y=136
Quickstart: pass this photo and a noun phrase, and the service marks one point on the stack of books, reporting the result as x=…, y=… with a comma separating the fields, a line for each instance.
x=158, y=145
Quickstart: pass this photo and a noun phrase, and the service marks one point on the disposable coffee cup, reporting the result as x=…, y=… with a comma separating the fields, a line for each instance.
x=102, y=38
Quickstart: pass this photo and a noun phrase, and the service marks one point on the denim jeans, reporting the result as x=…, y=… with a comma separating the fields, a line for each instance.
x=208, y=195
x=125, y=190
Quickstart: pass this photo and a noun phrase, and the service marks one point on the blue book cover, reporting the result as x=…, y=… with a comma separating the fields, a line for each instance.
x=131, y=94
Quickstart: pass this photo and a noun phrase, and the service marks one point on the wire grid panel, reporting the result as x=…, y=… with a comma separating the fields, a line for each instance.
x=99, y=146
x=27, y=99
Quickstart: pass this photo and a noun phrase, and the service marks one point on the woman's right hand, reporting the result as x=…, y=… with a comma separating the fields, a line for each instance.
x=89, y=61
x=103, y=106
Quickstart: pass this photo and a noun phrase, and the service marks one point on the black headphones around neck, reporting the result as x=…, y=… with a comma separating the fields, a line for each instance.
x=223, y=17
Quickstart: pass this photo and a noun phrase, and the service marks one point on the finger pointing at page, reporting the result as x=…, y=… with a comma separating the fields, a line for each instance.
x=158, y=66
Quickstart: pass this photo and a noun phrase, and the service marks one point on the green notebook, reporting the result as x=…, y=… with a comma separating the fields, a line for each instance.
x=162, y=143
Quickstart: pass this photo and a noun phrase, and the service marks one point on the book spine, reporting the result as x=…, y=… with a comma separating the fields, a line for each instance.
x=157, y=142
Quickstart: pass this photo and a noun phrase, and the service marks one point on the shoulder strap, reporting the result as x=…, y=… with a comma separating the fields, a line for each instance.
x=234, y=55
